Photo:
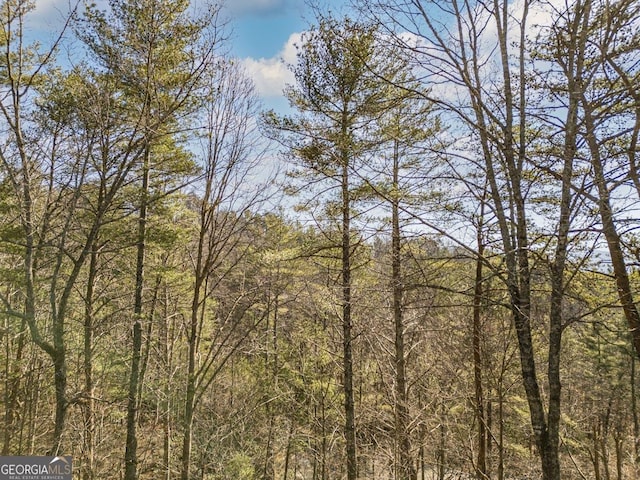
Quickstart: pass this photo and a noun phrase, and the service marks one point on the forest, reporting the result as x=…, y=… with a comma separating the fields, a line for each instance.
x=426, y=269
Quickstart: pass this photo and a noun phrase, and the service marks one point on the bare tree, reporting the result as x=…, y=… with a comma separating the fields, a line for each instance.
x=228, y=191
x=479, y=52
x=157, y=53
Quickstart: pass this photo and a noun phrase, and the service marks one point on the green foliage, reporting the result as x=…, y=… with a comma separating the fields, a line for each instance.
x=267, y=331
x=239, y=467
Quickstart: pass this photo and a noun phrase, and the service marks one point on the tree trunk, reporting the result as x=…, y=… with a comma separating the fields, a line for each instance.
x=620, y=270
x=270, y=365
x=501, y=433
x=166, y=402
x=596, y=450
x=131, y=447
x=31, y=422
x=405, y=469
x=146, y=348
x=636, y=419
x=323, y=443
x=625, y=293
x=442, y=443
x=187, y=437
x=618, y=439
x=481, y=463
x=89, y=426
x=268, y=472
x=60, y=382
x=12, y=383
x=197, y=309
x=287, y=453
x=349, y=407
x=189, y=403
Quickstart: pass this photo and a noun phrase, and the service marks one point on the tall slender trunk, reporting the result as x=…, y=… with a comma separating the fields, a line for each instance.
x=481, y=463
x=166, y=401
x=8, y=390
x=349, y=406
x=13, y=378
x=405, y=468
x=619, y=440
x=636, y=419
x=197, y=309
x=146, y=348
x=501, y=432
x=614, y=243
x=32, y=421
x=442, y=444
x=192, y=380
x=596, y=449
x=268, y=471
x=604, y=441
x=287, y=453
x=423, y=439
x=131, y=447
x=60, y=382
x=89, y=420
x=271, y=365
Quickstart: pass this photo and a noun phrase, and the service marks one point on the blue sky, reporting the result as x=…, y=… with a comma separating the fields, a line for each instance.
x=263, y=34
x=262, y=27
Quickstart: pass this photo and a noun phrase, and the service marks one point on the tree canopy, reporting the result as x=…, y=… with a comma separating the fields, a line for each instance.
x=424, y=268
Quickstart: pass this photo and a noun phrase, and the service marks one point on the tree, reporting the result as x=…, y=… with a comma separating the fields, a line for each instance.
x=46, y=177
x=230, y=159
x=609, y=108
x=157, y=54
x=338, y=95
x=468, y=45
x=408, y=133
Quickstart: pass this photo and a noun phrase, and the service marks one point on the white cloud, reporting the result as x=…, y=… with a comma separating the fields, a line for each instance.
x=270, y=75
x=540, y=15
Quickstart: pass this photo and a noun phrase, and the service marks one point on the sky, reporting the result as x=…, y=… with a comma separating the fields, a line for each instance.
x=263, y=38
x=263, y=34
